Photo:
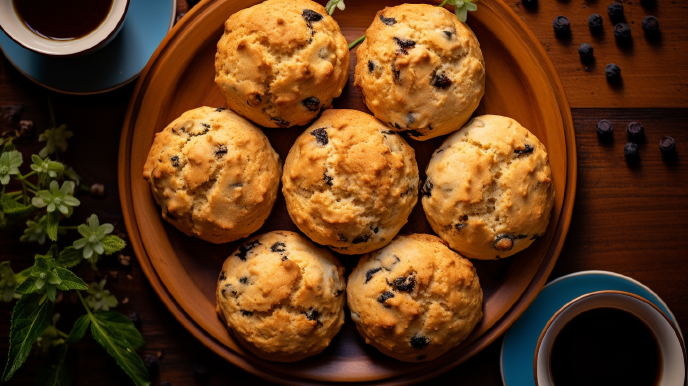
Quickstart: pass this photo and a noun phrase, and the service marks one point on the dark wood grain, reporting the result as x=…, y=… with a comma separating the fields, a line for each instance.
x=630, y=220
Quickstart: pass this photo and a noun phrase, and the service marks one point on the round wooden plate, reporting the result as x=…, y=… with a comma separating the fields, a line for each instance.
x=521, y=83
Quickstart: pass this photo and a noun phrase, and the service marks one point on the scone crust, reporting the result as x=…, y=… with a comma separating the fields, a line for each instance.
x=282, y=296
x=280, y=62
x=414, y=299
x=349, y=182
x=420, y=70
x=489, y=191
x=214, y=174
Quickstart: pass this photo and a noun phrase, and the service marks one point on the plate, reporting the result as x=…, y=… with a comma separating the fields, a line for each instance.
x=518, y=349
x=521, y=83
x=118, y=63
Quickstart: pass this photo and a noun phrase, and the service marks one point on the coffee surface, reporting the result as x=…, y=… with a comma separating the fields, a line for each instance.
x=605, y=346
x=62, y=20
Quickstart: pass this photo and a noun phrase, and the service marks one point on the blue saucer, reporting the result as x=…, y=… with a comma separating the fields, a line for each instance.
x=146, y=24
x=518, y=349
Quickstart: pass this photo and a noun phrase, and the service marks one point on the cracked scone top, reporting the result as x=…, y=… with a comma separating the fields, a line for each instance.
x=414, y=299
x=420, y=70
x=214, y=174
x=280, y=62
x=349, y=182
x=489, y=191
x=281, y=296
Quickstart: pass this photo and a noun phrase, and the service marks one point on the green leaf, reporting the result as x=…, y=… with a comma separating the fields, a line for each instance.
x=27, y=286
x=69, y=257
x=108, y=335
x=54, y=372
x=69, y=281
x=112, y=244
x=78, y=330
x=30, y=318
x=53, y=223
x=124, y=325
x=14, y=209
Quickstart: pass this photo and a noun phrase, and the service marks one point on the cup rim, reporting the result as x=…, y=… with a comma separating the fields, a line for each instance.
x=94, y=47
x=596, y=293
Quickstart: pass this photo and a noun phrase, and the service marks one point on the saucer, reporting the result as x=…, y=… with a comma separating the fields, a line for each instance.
x=518, y=348
x=146, y=24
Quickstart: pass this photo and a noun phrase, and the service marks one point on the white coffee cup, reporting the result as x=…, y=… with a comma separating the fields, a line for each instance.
x=673, y=358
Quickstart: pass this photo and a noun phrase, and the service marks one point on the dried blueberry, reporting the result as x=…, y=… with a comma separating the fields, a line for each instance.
x=320, y=136
x=327, y=179
x=650, y=24
x=668, y=146
x=504, y=243
x=616, y=11
x=595, y=22
x=612, y=72
x=562, y=25
x=376, y=229
x=220, y=109
x=441, y=81
x=397, y=126
x=371, y=66
x=410, y=118
x=604, y=129
x=312, y=103
x=427, y=188
x=527, y=149
x=280, y=122
x=205, y=126
x=390, y=132
x=460, y=226
x=361, y=239
x=339, y=292
x=246, y=313
x=243, y=280
x=221, y=151
x=419, y=341
x=388, y=20
x=175, y=160
x=312, y=314
x=278, y=247
x=310, y=15
x=622, y=31
x=404, y=284
x=631, y=152
x=586, y=52
x=518, y=237
x=635, y=131
x=244, y=249
x=383, y=298
x=371, y=273
x=397, y=75
x=448, y=34
x=222, y=276
x=342, y=237
x=404, y=44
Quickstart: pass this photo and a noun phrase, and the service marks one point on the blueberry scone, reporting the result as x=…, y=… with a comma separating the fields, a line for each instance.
x=489, y=191
x=349, y=182
x=280, y=62
x=420, y=70
x=281, y=296
x=214, y=174
x=414, y=299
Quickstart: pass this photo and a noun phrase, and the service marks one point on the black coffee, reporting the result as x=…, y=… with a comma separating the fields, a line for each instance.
x=62, y=20
x=605, y=346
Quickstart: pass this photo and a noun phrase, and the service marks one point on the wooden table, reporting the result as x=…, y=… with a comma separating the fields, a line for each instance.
x=630, y=220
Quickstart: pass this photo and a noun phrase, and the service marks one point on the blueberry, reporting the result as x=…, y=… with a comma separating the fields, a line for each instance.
x=397, y=75
x=246, y=313
x=383, y=298
x=246, y=248
x=504, y=243
x=622, y=31
x=650, y=24
x=388, y=20
x=320, y=136
x=595, y=22
x=668, y=146
x=616, y=11
x=562, y=25
x=175, y=160
x=613, y=72
x=280, y=122
x=419, y=341
x=278, y=247
x=527, y=149
x=448, y=34
x=220, y=109
x=361, y=239
x=371, y=66
x=310, y=15
x=404, y=44
x=586, y=52
x=327, y=179
x=441, y=81
x=371, y=273
x=342, y=237
x=312, y=314
x=221, y=151
x=243, y=280
x=604, y=129
x=635, y=131
x=404, y=284
x=312, y=103
x=460, y=226
x=427, y=188
x=222, y=276
x=631, y=152
x=529, y=3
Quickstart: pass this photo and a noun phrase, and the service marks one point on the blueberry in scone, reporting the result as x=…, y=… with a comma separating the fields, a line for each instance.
x=349, y=182
x=420, y=70
x=489, y=189
x=214, y=174
x=281, y=62
x=414, y=299
x=281, y=296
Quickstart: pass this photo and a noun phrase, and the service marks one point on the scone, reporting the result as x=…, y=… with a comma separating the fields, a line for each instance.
x=214, y=174
x=489, y=191
x=350, y=183
x=414, y=299
x=420, y=70
x=280, y=62
x=281, y=296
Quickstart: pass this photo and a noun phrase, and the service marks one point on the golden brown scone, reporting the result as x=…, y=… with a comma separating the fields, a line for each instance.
x=350, y=183
x=420, y=70
x=282, y=296
x=214, y=174
x=489, y=191
x=280, y=62
x=414, y=299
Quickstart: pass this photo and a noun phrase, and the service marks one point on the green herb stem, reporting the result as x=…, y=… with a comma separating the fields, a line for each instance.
x=23, y=177
x=88, y=310
x=357, y=42
x=62, y=334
